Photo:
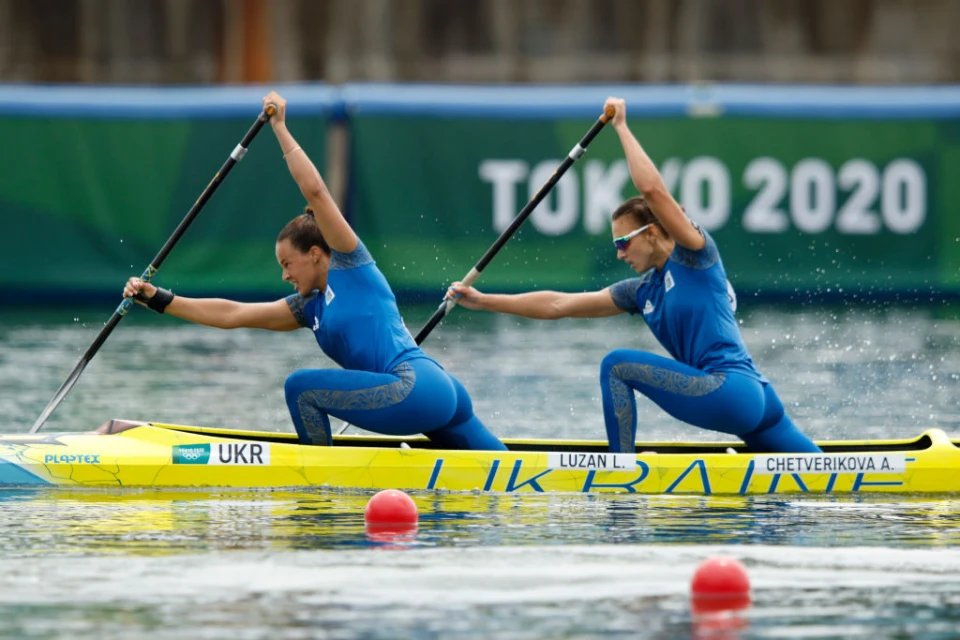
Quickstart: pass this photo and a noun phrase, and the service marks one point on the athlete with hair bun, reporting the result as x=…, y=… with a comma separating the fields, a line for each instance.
x=387, y=384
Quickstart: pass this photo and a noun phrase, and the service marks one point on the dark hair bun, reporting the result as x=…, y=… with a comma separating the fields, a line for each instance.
x=308, y=211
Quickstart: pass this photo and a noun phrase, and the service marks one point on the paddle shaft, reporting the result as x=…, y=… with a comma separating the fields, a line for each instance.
x=235, y=156
x=578, y=150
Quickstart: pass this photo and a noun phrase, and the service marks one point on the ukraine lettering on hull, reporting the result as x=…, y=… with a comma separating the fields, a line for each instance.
x=625, y=472
x=155, y=455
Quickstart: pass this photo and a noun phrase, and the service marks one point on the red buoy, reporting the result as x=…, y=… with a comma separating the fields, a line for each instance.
x=390, y=507
x=720, y=583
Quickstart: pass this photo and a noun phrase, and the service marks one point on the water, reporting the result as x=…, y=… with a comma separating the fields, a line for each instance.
x=280, y=564
x=861, y=372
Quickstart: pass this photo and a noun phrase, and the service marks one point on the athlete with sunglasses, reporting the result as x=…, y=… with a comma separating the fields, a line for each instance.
x=683, y=294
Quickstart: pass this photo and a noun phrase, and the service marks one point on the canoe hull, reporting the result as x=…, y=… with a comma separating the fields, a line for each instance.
x=171, y=456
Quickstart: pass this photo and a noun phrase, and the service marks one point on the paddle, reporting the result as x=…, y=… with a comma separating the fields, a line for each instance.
x=578, y=150
x=235, y=156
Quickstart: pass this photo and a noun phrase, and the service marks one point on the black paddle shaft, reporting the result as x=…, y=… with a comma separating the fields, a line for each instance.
x=575, y=153
x=235, y=156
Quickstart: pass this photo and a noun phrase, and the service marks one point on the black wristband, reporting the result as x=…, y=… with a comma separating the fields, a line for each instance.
x=159, y=301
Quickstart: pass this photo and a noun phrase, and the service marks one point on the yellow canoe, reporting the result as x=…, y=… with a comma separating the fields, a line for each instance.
x=124, y=454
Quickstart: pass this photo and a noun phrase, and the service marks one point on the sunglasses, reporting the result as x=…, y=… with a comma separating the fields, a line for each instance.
x=623, y=242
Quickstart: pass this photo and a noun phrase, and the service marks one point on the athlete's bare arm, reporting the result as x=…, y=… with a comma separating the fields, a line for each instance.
x=541, y=305
x=647, y=180
x=334, y=227
x=221, y=313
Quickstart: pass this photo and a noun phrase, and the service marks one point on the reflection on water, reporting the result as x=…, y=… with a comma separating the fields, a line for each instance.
x=285, y=564
x=77, y=522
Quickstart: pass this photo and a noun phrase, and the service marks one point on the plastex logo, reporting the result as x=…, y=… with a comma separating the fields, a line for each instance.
x=191, y=454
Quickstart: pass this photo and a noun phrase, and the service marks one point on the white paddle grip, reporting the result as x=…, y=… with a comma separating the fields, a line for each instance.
x=471, y=277
x=467, y=281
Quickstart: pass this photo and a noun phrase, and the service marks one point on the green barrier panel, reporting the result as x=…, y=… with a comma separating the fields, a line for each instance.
x=847, y=192
x=87, y=201
x=797, y=205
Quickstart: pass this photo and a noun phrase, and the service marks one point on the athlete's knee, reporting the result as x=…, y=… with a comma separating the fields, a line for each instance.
x=295, y=384
x=614, y=358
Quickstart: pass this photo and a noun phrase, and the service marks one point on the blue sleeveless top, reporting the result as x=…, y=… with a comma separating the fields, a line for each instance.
x=689, y=306
x=355, y=319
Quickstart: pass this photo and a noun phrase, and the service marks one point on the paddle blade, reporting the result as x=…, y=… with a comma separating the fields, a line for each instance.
x=60, y=394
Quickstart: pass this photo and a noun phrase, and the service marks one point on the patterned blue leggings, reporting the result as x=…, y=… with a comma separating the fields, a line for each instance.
x=418, y=396
x=724, y=401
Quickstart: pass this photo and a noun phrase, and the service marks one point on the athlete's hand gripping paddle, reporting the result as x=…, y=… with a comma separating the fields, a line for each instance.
x=578, y=150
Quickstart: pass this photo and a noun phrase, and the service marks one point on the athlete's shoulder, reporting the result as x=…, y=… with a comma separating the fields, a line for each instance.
x=301, y=306
x=624, y=293
x=703, y=258
x=357, y=258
